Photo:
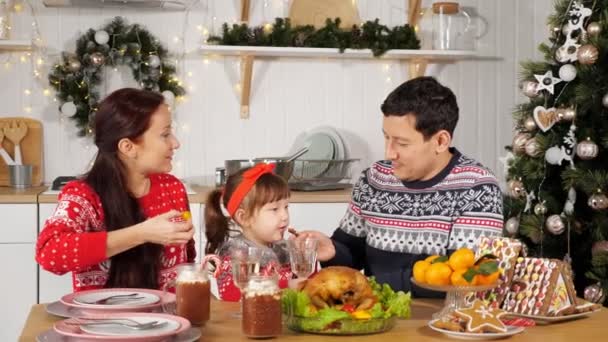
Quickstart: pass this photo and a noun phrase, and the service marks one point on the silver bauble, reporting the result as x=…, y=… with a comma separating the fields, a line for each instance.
x=529, y=88
x=154, y=61
x=599, y=247
x=530, y=124
x=512, y=225
x=102, y=37
x=519, y=142
x=567, y=114
x=169, y=97
x=605, y=101
x=594, y=29
x=68, y=108
x=598, y=201
x=567, y=72
x=595, y=293
x=540, y=209
x=555, y=225
x=554, y=155
x=516, y=188
x=74, y=64
x=97, y=59
x=533, y=148
x=587, y=54
x=586, y=149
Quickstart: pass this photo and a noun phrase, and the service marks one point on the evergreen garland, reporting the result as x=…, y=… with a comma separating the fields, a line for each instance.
x=371, y=35
x=78, y=75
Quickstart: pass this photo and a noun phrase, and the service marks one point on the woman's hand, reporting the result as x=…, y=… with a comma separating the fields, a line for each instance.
x=325, y=248
x=167, y=229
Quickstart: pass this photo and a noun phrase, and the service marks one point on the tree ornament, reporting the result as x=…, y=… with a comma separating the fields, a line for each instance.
x=587, y=54
x=519, y=142
x=154, y=61
x=68, y=108
x=540, y=209
x=605, y=101
x=516, y=188
x=529, y=88
x=74, y=64
x=595, y=293
x=577, y=15
x=555, y=225
x=599, y=247
x=594, y=29
x=555, y=155
x=97, y=59
x=547, y=81
x=512, y=225
x=169, y=97
x=569, y=205
x=598, y=201
x=530, y=124
x=567, y=72
x=533, y=148
x=586, y=149
x=566, y=114
x=102, y=37
x=545, y=118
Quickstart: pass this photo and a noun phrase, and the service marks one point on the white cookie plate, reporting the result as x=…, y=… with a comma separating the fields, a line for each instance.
x=511, y=330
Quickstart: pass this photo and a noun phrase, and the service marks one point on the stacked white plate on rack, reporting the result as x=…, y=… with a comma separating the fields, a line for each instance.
x=324, y=144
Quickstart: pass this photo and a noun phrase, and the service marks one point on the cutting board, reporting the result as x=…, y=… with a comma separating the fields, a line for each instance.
x=31, y=150
x=315, y=12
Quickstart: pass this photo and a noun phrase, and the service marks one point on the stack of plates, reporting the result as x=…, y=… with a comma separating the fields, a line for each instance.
x=324, y=144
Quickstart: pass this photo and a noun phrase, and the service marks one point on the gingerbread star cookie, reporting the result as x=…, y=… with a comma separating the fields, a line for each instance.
x=481, y=318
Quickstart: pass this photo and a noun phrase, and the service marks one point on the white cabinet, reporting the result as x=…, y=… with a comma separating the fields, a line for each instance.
x=323, y=217
x=17, y=243
x=51, y=287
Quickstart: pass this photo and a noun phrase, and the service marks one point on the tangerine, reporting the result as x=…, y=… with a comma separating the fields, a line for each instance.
x=419, y=271
x=458, y=280
x=431, y=258
x=462, y=258
x=438, y=274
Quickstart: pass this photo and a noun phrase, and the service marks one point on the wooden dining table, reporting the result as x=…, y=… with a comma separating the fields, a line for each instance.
x=225, y=326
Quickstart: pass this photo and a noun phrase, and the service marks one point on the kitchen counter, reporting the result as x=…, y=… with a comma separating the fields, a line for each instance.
x=27, y=195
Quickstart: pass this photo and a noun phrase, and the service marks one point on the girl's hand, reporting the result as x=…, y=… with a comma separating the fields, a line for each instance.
x=164, y=230
x=325, y=248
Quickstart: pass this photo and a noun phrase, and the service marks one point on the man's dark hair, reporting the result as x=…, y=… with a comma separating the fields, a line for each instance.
x=433, y=105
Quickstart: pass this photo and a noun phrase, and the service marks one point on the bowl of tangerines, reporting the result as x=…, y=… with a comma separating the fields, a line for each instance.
x=458, y=272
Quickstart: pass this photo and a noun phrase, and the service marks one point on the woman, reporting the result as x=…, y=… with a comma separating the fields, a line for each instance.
x=121, y=225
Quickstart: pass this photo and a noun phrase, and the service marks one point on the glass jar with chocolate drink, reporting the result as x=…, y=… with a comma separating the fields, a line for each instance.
x=261, y=307
x=193, y=291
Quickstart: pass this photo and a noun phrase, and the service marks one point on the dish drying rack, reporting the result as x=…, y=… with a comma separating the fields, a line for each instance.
x=321, y=174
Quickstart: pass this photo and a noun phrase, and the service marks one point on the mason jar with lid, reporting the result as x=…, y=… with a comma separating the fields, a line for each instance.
x=451, y=27
x=261, y=307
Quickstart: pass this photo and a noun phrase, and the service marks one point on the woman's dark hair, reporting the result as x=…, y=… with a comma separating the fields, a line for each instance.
x=125, y=113
x=433, y=105
x=268, y=188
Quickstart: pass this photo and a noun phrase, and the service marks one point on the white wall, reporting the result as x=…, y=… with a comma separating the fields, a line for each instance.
x=289, y=95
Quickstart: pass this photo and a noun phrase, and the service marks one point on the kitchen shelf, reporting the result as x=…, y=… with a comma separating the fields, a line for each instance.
x=417, y=59
x=15, y=45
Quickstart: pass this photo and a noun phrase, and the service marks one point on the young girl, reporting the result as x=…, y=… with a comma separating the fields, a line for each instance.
x=251, y=211
x=120, y=224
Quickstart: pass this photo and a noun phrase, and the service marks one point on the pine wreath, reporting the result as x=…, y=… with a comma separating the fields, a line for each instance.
x=77, y=77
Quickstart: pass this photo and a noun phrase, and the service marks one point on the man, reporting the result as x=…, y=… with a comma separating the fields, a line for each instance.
x=426, y=198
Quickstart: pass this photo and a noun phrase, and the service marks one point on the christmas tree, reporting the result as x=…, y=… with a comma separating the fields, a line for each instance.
x=558, y=172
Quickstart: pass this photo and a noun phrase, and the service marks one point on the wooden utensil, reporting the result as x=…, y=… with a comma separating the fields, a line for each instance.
x=7, y=158
x=31, y=149
x=15, y=132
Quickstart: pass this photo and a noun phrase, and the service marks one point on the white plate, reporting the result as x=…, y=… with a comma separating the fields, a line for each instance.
x=88, y=300
x=120, y=330
x=59, y=309
x=190, y=335
x=554, y=319
x=511, y=330
x=317, y=169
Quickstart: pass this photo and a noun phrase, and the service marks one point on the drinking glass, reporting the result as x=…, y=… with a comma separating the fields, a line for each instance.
x=303, y=256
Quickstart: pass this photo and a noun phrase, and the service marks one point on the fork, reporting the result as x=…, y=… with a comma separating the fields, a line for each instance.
x=115, y=297
x=134, y=325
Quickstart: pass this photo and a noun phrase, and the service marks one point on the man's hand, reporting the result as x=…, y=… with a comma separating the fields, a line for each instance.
x=325, y=248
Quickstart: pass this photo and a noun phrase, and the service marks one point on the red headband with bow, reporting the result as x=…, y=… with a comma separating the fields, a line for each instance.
x=249, y=178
